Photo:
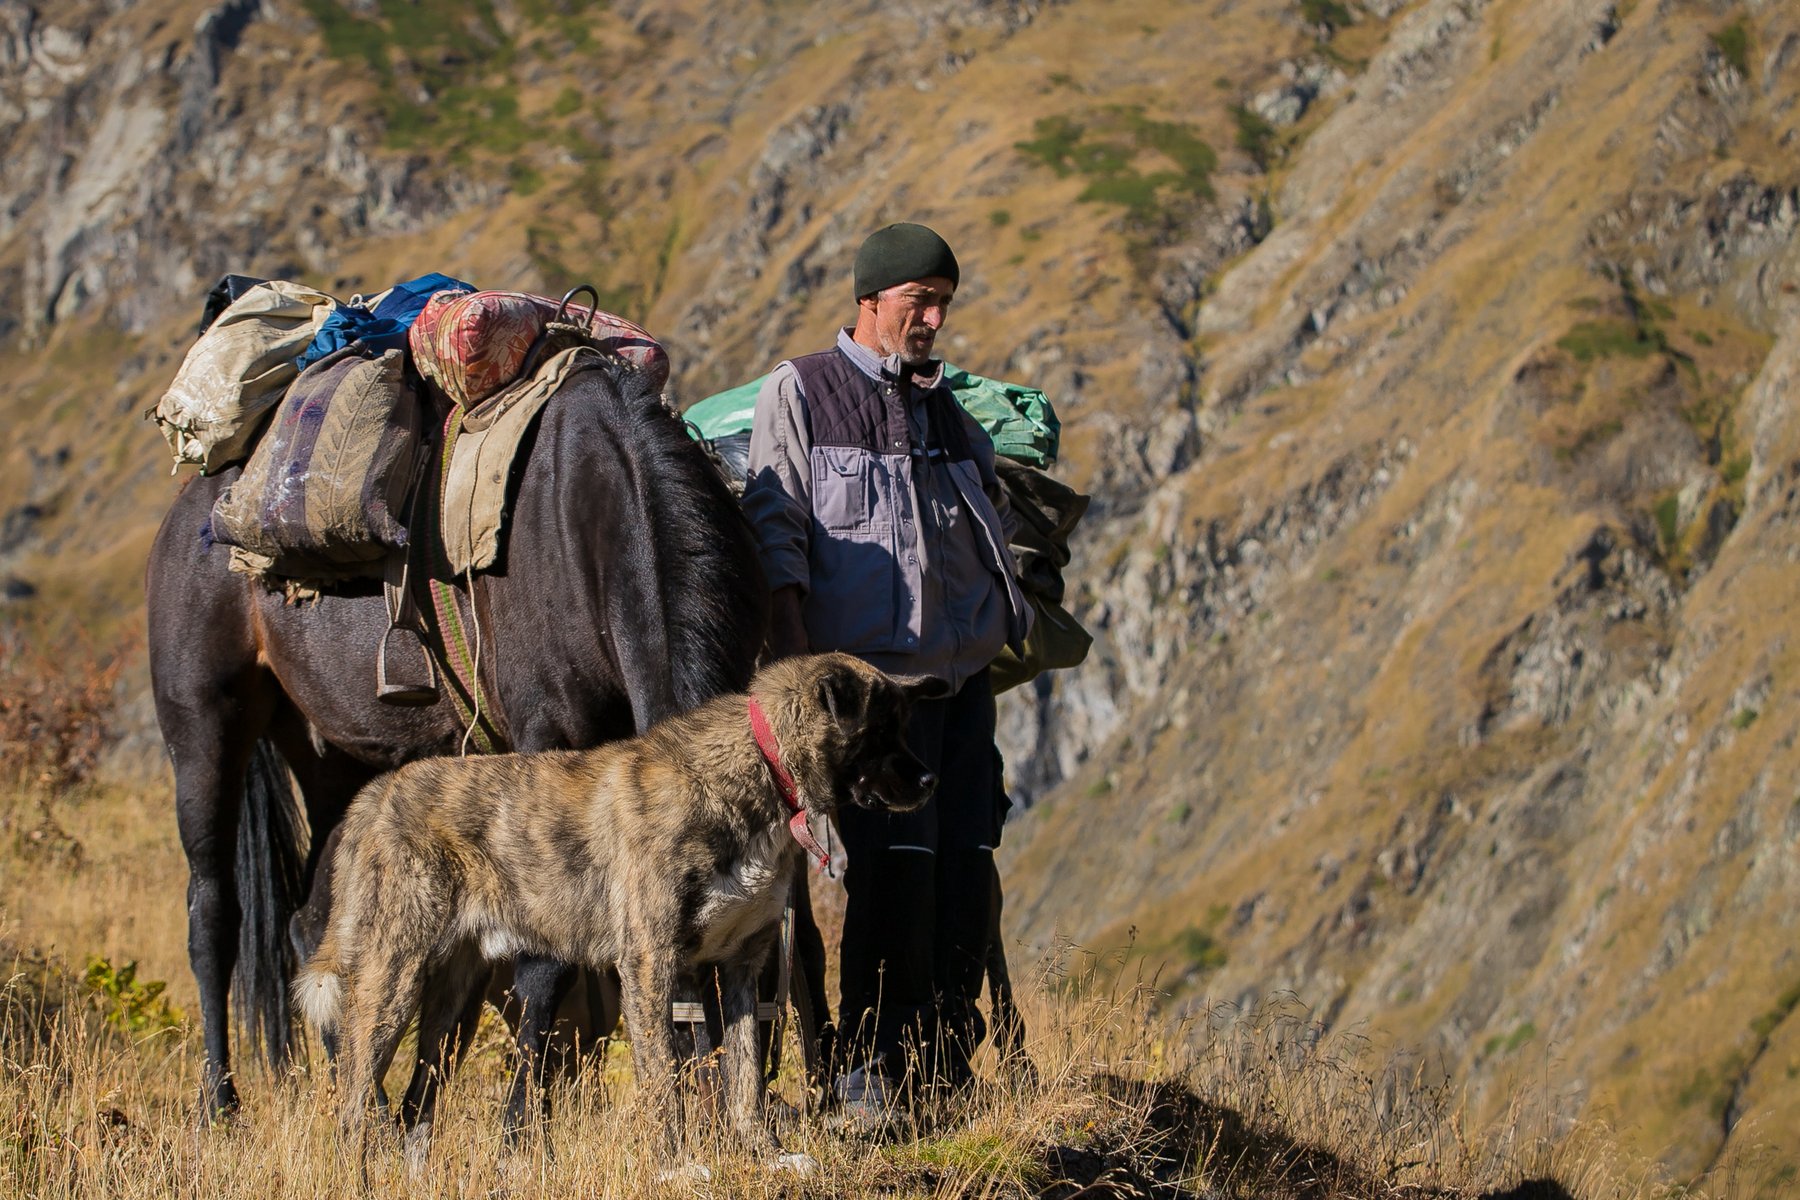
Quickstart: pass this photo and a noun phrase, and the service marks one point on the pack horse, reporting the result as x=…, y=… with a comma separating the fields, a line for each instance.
x=629, y=590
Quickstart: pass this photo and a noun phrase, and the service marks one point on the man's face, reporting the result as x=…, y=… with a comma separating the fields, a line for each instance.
x=909, y=315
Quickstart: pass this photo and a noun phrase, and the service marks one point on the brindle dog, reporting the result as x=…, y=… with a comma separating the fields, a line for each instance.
x=664, y=855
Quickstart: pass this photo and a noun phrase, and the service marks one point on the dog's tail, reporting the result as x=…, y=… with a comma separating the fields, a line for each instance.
x=319, y=987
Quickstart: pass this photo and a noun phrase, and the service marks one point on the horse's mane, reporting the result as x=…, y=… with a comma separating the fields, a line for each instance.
x=710, y=573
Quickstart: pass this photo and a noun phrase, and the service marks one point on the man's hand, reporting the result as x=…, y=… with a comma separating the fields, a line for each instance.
x=787, y=629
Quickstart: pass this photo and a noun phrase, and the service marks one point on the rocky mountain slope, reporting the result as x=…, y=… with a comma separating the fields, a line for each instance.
x=1432, y=365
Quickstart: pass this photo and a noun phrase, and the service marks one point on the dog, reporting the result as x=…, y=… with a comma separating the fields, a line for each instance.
x=662, y=855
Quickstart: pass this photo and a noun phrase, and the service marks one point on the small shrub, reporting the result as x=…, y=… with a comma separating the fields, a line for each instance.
x=1743, y=718
x=999, y=218
x=1696, y=1089
x=1133, y=192
x=1327, y=13
x=1255, y=136
x=54, y=722
x=1592, y=340
x=525, y=178
x=568, y=102
x=1204, y=952
x=127, y=1003
x=1056, y=140
x=1181, y=145
x=1506, y=1043
x=1764, y=1026
x=1668, y=520
x=349, y=37
x=1106, y=148
x=1733, y=44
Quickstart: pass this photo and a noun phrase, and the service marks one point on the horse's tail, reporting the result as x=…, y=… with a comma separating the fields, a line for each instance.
x=270, y=872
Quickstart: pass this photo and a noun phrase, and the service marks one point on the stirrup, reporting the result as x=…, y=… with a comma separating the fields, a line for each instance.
x=406, y=694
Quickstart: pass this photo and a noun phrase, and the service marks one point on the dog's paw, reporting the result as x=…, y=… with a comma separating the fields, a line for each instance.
x=795, y=1161
x=688, y=1172
x=415, y=1150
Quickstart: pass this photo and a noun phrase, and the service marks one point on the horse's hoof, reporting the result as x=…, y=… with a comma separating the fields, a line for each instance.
x=219, y=1104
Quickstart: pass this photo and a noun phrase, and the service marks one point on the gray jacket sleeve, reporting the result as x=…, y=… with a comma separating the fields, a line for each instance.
x=778, y=496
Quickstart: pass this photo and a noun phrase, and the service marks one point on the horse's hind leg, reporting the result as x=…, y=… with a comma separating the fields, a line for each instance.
x=209, y=773
x=449, y=1011
x=539, y=985
x=212, y=703
x=211, y=748
x=329, y=780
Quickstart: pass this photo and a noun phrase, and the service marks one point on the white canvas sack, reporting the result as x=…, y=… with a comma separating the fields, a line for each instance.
x=237, y=371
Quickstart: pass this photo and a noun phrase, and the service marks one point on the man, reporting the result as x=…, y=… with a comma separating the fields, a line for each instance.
x=884, y=533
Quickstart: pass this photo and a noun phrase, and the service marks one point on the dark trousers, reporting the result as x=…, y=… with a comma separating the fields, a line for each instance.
x=921, y=902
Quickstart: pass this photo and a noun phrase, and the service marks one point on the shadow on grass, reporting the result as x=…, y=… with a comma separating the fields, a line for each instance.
x=1190, y=1143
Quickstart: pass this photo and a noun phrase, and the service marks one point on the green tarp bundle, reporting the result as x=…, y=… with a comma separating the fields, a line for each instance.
x=727, y=413
x=1019, y=419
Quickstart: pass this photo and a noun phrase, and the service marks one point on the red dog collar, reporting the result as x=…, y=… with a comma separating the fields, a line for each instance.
x=771, y=752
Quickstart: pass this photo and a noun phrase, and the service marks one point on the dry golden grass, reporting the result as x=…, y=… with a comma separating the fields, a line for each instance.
x=98, y=1079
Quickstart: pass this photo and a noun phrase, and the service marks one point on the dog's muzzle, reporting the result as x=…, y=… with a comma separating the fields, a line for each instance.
x=901, y=793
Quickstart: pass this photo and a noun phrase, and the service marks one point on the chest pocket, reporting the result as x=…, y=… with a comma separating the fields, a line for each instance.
x=847, y=489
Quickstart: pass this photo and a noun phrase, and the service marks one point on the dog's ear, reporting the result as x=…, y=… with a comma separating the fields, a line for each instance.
x=921, y=687
x=844, y=694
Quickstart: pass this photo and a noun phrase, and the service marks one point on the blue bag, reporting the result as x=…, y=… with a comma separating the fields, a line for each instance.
x=383, y=327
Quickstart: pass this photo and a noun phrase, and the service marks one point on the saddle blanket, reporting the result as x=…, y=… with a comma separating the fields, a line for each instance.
x=482, y=455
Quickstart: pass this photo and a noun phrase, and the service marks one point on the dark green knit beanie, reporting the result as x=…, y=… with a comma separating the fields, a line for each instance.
x=900, y=254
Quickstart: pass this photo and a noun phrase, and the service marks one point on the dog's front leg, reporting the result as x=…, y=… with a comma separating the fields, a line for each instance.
x=647, y=987
x=743, y=1060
